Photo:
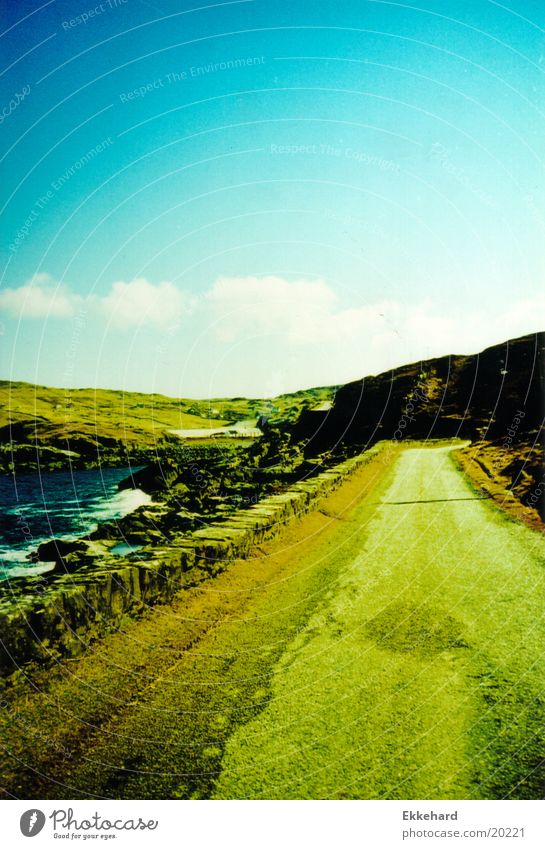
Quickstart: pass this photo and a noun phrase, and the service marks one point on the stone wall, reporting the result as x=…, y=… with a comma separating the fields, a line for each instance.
x=44, y=620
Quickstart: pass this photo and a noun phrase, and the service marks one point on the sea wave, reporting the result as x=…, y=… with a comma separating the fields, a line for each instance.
x=55, y=516
x=122, y=503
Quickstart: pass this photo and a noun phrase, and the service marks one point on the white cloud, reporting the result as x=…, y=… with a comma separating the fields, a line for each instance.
x=304, y=312
x=308, y=313
x=471, y=330
x=141, y=302
x=317, y=337
x=40, y=297
x=264, y=335
x=138, y=302
x=300, y=309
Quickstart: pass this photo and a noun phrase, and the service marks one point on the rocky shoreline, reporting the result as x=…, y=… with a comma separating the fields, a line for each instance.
x=90, y=591
x=21, y=454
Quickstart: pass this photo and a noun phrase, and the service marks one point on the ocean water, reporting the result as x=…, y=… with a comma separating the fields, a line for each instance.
x=65, y=505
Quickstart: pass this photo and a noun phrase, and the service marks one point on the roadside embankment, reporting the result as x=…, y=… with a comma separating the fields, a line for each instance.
x=513, y=477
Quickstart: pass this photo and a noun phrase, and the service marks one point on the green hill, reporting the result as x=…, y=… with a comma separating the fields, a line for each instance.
x=51, y=428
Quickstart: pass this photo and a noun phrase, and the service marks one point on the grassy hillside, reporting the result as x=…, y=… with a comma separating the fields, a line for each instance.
x=48, y=427
x=96, y=412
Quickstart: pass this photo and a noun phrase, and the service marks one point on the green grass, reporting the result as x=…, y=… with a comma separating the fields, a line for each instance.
x=390, y=650
x=135, y=417
x=421, y=676
x=147, y=713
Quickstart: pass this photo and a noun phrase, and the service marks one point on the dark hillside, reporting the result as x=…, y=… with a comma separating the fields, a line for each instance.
x=479, y=396
x=495, y=399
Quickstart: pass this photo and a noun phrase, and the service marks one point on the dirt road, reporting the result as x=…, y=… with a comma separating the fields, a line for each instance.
x=389, y=645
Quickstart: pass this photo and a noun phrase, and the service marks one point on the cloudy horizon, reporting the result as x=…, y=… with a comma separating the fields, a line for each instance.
x=284, y=320
x=222, y=201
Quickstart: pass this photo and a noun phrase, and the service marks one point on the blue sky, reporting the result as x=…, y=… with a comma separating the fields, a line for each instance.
x=254, y=197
